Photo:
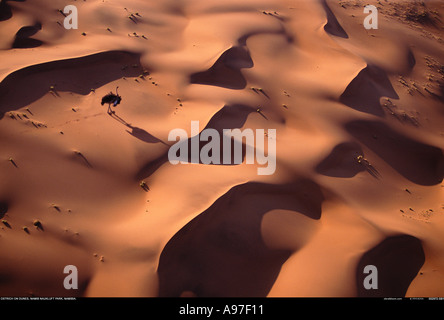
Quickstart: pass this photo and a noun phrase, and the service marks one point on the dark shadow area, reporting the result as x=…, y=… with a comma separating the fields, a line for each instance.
x=143, y=135
x=225, y=72
x=144, y=186
x=333, y=27
x=341, y=162
x=229, y=117
x=345, y=161
x=13, y=163
x=4, y=207
x=418, y=162
x=370, y=169
x=84, y=159
x=22, y=37
x=441, y=90
x=398, y=260
x=38, y=225
x=77, y=75
x=6, y=223
x=411, y=59
x=136, y=132
x=5, y=9
x=242, y=41
x=221, y=253
x=151, y=167
x=440, y=95
x=366, y=89
x=260, y=91
x=262, y=114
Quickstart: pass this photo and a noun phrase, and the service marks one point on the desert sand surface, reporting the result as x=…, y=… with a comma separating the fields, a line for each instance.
x=359, y=119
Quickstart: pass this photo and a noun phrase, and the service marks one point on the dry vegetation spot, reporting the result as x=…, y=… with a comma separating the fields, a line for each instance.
x=37, y=224
x=6, y=223
x=351, y=4
x=144, y=186
x=423, y=215
x=400, y=115
x=435, y=66
x=435, y=77
x=415, y=11
x=418, y=12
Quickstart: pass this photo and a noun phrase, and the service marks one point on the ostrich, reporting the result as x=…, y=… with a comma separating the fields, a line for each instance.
x=111, y=98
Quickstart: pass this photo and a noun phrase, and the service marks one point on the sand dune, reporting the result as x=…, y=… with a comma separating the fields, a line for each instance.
x=221, y=252
x=359, y=148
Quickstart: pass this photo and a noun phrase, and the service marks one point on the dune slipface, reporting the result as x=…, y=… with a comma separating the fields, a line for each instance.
x=226, y=70
x=221, y=252
x=399, y=258
x=355, y=115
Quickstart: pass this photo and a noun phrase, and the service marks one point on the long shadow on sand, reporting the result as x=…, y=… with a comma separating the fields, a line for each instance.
x=398, y=260
x=77, y=75
x=136, y=132
x=221, y=253
x=4, y=206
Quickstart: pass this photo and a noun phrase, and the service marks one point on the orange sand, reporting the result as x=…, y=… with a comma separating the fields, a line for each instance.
x=331, y=88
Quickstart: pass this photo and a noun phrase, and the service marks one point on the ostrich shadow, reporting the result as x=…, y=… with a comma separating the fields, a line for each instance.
x=137, y=132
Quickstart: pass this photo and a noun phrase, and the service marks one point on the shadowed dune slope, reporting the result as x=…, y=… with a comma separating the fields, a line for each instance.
x=78, y=75
x=221, y=253
x=366, y=89
x=341, y=162
x=398, y=259
x=23, y=37
x=420, y=163
x=225, y=72
x=228, y=117
x=333, y=26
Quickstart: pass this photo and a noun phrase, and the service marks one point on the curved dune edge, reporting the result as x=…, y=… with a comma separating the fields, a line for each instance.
x=47, y=78
x=225, y=242
x=359, y=163
x=399, y=259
